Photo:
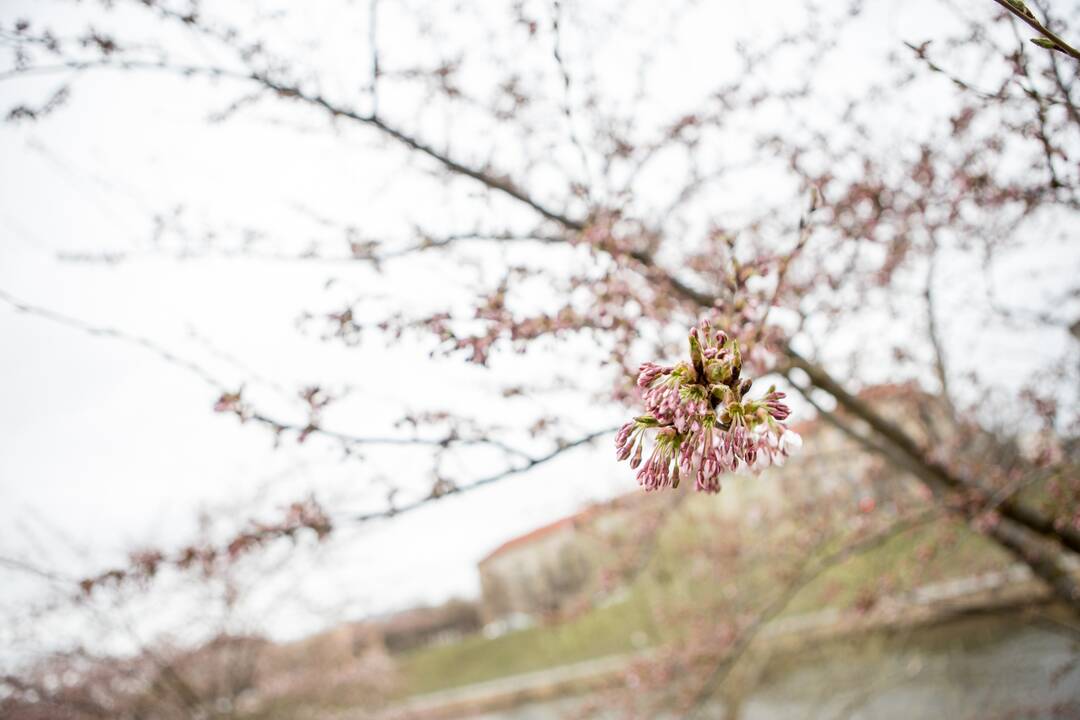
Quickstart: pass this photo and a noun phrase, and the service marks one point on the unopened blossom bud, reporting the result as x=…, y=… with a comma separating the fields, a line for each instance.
x=701, y=422
x=777, y=409
x=623, y=441
x=648, y=373
x=696, y=360
x=686, y=458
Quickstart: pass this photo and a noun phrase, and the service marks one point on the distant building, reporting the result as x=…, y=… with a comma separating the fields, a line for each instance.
x=545, y=570
x=536, y=572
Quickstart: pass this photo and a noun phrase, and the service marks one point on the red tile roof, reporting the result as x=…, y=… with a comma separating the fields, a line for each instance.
x=568, y=521
x=532, y=536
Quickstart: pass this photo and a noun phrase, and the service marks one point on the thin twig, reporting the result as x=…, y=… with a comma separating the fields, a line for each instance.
x=940, y=363
x=556, y=27
x=108, y=332
x=446, y=491
x=781, y=272
x=1018, y=9
x=276, y=424
x=373, y=41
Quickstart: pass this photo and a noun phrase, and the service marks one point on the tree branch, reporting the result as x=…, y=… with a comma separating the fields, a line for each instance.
x=492, y=181
x=1008, y=531
x=443, y=491
x=275, y=424
x=1018, y=9
x=811, y=570
x=916, y=460
x=940, y=362
x=108, y=332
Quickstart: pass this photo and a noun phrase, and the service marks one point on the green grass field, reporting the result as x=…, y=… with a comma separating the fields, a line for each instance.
x=669, y=587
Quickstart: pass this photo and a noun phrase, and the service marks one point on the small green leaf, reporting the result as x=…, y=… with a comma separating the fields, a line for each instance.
x=1045, y=43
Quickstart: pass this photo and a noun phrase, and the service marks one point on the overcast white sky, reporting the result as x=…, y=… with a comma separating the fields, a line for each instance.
x=107, y=445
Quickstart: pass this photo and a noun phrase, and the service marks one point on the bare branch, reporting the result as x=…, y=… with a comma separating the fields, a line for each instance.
x=277, y=425
x=813, y=568
x=556, y=27
x=1049, y=40
x=24, y=567
x=1012, y=530
x=108, y=332
x=934, y=333
x=898, y=445
x=454, y=489
x=373, y=11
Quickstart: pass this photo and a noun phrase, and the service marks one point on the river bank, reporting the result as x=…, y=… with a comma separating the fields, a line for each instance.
x=989, y=645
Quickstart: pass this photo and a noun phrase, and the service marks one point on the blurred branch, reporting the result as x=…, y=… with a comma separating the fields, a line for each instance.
x=560, y=62
x=442, y=490
x=347, y=439
x=933, y=331
x=490, y=179
x=275, y=424
x=358, y=250
x=307, y=515
x=24, y=567
x=1041, y=130
x=1066, y=90
x=923, y=56
x=899, y=447
x=184, y=70
x=373, y=12
x=431, y=242
x=810, y=570
x=1012, y=530
x=805, y=231
x=262, y=533
x=108, y=332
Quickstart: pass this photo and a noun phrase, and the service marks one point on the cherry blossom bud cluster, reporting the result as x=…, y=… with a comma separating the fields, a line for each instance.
x=699, y=421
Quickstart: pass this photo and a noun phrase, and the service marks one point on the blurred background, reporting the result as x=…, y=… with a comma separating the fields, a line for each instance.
x=319, y=321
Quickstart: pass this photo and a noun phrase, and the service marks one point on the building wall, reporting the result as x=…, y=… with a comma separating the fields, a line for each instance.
x=538, y=577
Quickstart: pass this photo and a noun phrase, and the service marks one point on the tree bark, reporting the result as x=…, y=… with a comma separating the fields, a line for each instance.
x=1044, y=561
x=895, y=436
